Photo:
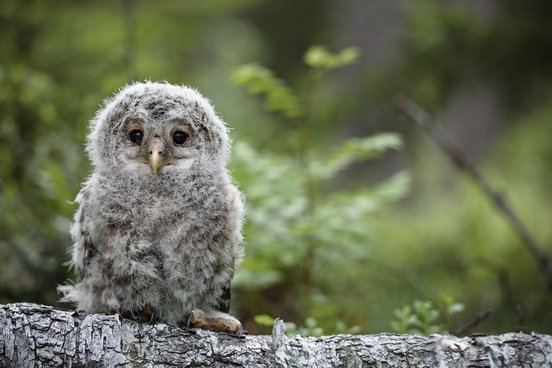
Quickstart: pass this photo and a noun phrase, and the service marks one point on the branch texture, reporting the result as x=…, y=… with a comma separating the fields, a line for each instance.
x=41, y=336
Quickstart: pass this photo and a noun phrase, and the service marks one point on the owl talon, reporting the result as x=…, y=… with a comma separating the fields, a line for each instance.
x=144, y=315
x=240, y=335
x=189, y=323
x=215, y=321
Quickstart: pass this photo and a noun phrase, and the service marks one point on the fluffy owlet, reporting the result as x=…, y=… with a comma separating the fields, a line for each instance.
x=157, y=234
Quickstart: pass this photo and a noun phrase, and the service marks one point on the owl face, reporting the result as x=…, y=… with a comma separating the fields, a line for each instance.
x=157, y=129
x=162, y=145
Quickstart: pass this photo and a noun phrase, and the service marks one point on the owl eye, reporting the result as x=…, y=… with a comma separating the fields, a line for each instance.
x=136, y=136
x=179, y=137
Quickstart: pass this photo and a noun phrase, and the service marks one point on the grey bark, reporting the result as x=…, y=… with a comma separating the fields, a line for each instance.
x=41, y=336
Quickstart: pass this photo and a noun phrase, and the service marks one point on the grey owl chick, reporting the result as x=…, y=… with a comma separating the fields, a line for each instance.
x=158, y=230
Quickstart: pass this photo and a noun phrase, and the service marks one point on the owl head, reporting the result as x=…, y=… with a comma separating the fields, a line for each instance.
x=155, y=129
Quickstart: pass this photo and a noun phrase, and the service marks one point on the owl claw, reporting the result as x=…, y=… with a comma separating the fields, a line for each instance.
x=215, y=321
x=190, y=322
x=144, y=315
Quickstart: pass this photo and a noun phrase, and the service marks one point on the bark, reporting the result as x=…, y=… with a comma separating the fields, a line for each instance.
x=41, y=336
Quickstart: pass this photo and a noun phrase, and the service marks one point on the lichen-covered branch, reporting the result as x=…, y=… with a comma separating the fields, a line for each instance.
x=34, y=335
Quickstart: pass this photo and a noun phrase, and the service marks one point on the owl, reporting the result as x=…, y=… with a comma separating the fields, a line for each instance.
x=157, y=234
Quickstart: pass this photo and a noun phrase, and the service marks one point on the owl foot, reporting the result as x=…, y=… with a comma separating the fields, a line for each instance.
x=216, y=321
x=144, y=315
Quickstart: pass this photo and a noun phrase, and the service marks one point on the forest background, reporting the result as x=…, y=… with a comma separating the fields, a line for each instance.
x=357, y=222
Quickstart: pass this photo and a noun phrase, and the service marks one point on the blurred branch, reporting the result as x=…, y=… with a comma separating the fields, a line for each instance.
x=419, y=116
x=480, y=317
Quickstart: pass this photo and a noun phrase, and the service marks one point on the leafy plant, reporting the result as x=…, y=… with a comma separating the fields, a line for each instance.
x=260, y=80
x=424, y=318
x=298, y=226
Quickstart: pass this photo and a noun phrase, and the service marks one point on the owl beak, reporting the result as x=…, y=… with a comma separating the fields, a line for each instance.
x=155, y=151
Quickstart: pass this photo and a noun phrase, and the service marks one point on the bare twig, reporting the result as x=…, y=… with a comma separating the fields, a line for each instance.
x=424, y=120
x=398, y=275
x=480, y=317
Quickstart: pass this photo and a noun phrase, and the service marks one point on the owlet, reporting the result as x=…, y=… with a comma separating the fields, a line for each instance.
x=157, y=234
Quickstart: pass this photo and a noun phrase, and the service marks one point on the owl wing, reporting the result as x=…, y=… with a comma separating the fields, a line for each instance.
x=83, y=247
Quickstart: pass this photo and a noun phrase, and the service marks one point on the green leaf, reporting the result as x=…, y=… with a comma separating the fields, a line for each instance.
x=261, y=81
x=318, y=57
x=348, y=56
x=419, y=318
x=455, y=308
x=354, y=150
x=264, y=320
x=355, y=206
x=394, y=188
x=291, y=329
x=310, y=323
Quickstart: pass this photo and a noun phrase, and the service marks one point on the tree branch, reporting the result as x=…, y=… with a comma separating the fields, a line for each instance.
x=36, y=335
x=415, y=113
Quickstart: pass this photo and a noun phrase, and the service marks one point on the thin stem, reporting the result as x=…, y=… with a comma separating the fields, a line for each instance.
x=479, y=317
x=308, y=181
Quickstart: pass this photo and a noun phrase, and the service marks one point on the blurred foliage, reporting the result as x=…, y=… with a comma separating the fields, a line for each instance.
x=310, y=328
x=422, y=317
x=297, y=226
x=321, y=60
x=56, y=66
x=260, y=80
x=327, y=247
x=456, y=241
x=447, y=45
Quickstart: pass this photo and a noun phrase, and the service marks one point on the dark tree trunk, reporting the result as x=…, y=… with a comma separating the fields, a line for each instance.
x=35, y=335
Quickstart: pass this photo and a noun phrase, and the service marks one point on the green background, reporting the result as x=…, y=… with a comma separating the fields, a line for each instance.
x=327, y=249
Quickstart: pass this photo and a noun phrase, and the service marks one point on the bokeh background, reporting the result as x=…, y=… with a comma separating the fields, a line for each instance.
x=397, y=240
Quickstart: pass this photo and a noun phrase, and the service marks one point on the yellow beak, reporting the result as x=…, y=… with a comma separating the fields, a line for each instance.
x=156, y=151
